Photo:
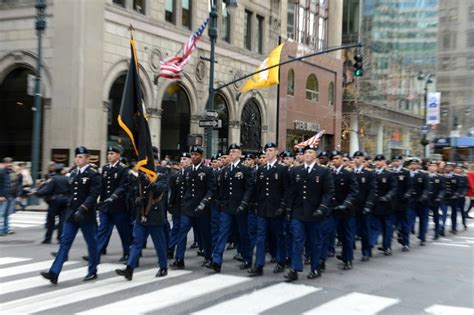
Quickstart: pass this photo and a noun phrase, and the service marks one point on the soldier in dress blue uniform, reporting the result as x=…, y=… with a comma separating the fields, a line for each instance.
x=401, y=214
x=199, y=189
x=450, y=195
x=153, y=224
x=461, y=197
x=436, y=194
x=176, y=194
x=385, y=196
x=364, y=202
x=237, y=186
x=271, y=188
x=250, y=161
x=113, y=207
x=215, y=202
x=57, y=188
x=81, y=214
x=162, y=172
x=309, y=202
x=288, y=160
x=418, y=196
x=323, y=158
x=346, y=189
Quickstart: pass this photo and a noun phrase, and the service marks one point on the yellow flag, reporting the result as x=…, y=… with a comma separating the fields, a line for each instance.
x=268, y=77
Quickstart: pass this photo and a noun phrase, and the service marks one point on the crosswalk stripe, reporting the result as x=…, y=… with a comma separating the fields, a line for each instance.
x=26, y=221
x=61, y=297
x=451, y=244
x=448, y=310
x=33, y=282
x=16, y=270
x=170, y=296
x=11, y=260
x=354, y=304
x=261, y=300
x=19, y=225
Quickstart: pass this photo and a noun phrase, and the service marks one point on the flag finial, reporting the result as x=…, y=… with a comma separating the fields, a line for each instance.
x=131, y=29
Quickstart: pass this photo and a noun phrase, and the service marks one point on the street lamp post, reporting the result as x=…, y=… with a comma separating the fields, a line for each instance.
x=427, y=80
x=40, y=26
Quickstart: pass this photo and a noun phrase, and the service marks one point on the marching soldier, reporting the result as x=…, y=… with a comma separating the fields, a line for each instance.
x=450, y=196
x=251, y=162
x=176, y=189
x=418, y=199
x=81, y=214
x=436, y=194
x=152, y=224
x=237, y=186
x=199, y=189
x=364, y=202
x=461, y=197
x=299, y=159
x=346, y=190
x=385, y=194
x=401, y=213
x=271, y=186
x=57, y=187
x=323, y=158
x=309, y=202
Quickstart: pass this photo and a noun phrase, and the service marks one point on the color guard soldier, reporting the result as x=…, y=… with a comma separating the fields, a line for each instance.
x=271, y=187
x=309, y=202
x=346, y=190
x=237, y=186
x=364, y=202
x=81, y=214
x=199, y=189
x=401, y=214
x=436, y=194
x=385, y=196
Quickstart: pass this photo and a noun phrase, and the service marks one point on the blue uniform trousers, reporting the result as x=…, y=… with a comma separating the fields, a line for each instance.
x=225, y=229
x=202, y=226
x=382, y=224
x=328, y=229
x=288, y=238
x=363, y=228
x=458, y=207
x=402, y=222
x=107, y=222
x=140, y=235
x=422, y=213
x=215, y=219
x=347, y=236
x=444, y=215
x=276, y=225
x=436, y=218
x=302, y=230
x=252, y=227
x=174, y=232
x=89, y=231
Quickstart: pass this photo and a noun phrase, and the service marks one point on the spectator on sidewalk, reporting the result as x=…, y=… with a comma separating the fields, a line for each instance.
x=10, y=191
x=27, y=182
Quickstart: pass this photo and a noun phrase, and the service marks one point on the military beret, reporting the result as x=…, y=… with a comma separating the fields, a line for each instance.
x=219, y=155
x=310, y=147
x=359, y=153
x=81, y=150
x=414, y=160
x=299, y=150
x=379, y=157
x=260, y=153
x=233, y=146
x=450, y=163
x=213, y=158
x=270, y=145
x=197, y=149
x=286, y=153
x=336, y=153
x=397, y=157
x=114, y=148
x=249, y=156
x=460, y=165
x=185, y=154
x=123, y=160
x=323, y=154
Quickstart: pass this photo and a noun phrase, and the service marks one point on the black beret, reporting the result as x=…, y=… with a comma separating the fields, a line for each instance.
x=299, y=150
x=270, y=145
x=397, y=157
x=185, y=154
x=336, y=153
x=114, y=148
x=233, y=146
x=359, y=153
x=260, y=153
x=81, y=150
x=249, y=156
x=219, y=155
x=450, y=163
x=461, y=165
x=310, y=147
x=414, y=160
x=213, y=158
x=197, y=149
x=379, y=157
x=286, y=153
x=123, y=160
x=323, y=154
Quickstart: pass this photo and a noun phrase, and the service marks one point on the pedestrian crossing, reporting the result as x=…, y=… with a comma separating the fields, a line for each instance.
x=27, y=219
x=194, y=291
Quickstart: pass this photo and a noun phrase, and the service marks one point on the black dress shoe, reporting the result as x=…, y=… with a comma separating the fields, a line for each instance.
x=238, y=257
x=162, y=272
x=200, y=253
x=123, y=259
x=205, y=262
x=322, y=265
x=453, y=231
x=178, y=264
x=231, y=246
x=436, y=237
x=422, y=243
x=291, y=275
x=215, y=267
x=339, y=257
x=170, y=253
x=50, y=276
x=388, y=252
x=255, y=271
x=278, y=268
x=127, y=273
x=314, y=275
x=365, y=258
x=46, y=242
x=90, y=277
x=245, y=265
x=307, y=261
x=347, y=265
x=442, y=233
x=273, y=260
x=85, y=258
x=194, y=245
x=380, y=248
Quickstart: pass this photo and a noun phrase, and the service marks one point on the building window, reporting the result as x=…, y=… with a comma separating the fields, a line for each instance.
x=290, y=27
x=260, y=21
x=312, y=88
x=291, y=82
x=169, y=11
x=248, y=30
x=322, y=33
x=119, y=2
x=331, y=94
x=139, y=6
x=307, y=22
x=225, y=30
x=186, y=13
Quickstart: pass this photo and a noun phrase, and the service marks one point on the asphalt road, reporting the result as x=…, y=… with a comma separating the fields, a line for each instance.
x=434, y=279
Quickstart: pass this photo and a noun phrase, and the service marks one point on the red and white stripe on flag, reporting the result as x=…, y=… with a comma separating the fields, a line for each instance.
x=314, y=140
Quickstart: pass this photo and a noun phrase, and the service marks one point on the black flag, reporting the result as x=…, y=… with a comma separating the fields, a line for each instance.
x=133, y=118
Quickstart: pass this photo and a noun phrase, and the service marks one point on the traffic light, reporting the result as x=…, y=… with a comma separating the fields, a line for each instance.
x=358, y=64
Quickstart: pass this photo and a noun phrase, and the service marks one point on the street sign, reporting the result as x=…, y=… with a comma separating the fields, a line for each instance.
x=210, y=123
x=425, y=129
x=212, y=113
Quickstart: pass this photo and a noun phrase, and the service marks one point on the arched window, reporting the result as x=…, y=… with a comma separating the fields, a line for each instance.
x=331, y=94
x=312, y=88
x=291, y=82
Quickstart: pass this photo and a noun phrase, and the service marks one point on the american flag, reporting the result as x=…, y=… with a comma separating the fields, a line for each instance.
x=172, y=67
x=314, y=140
